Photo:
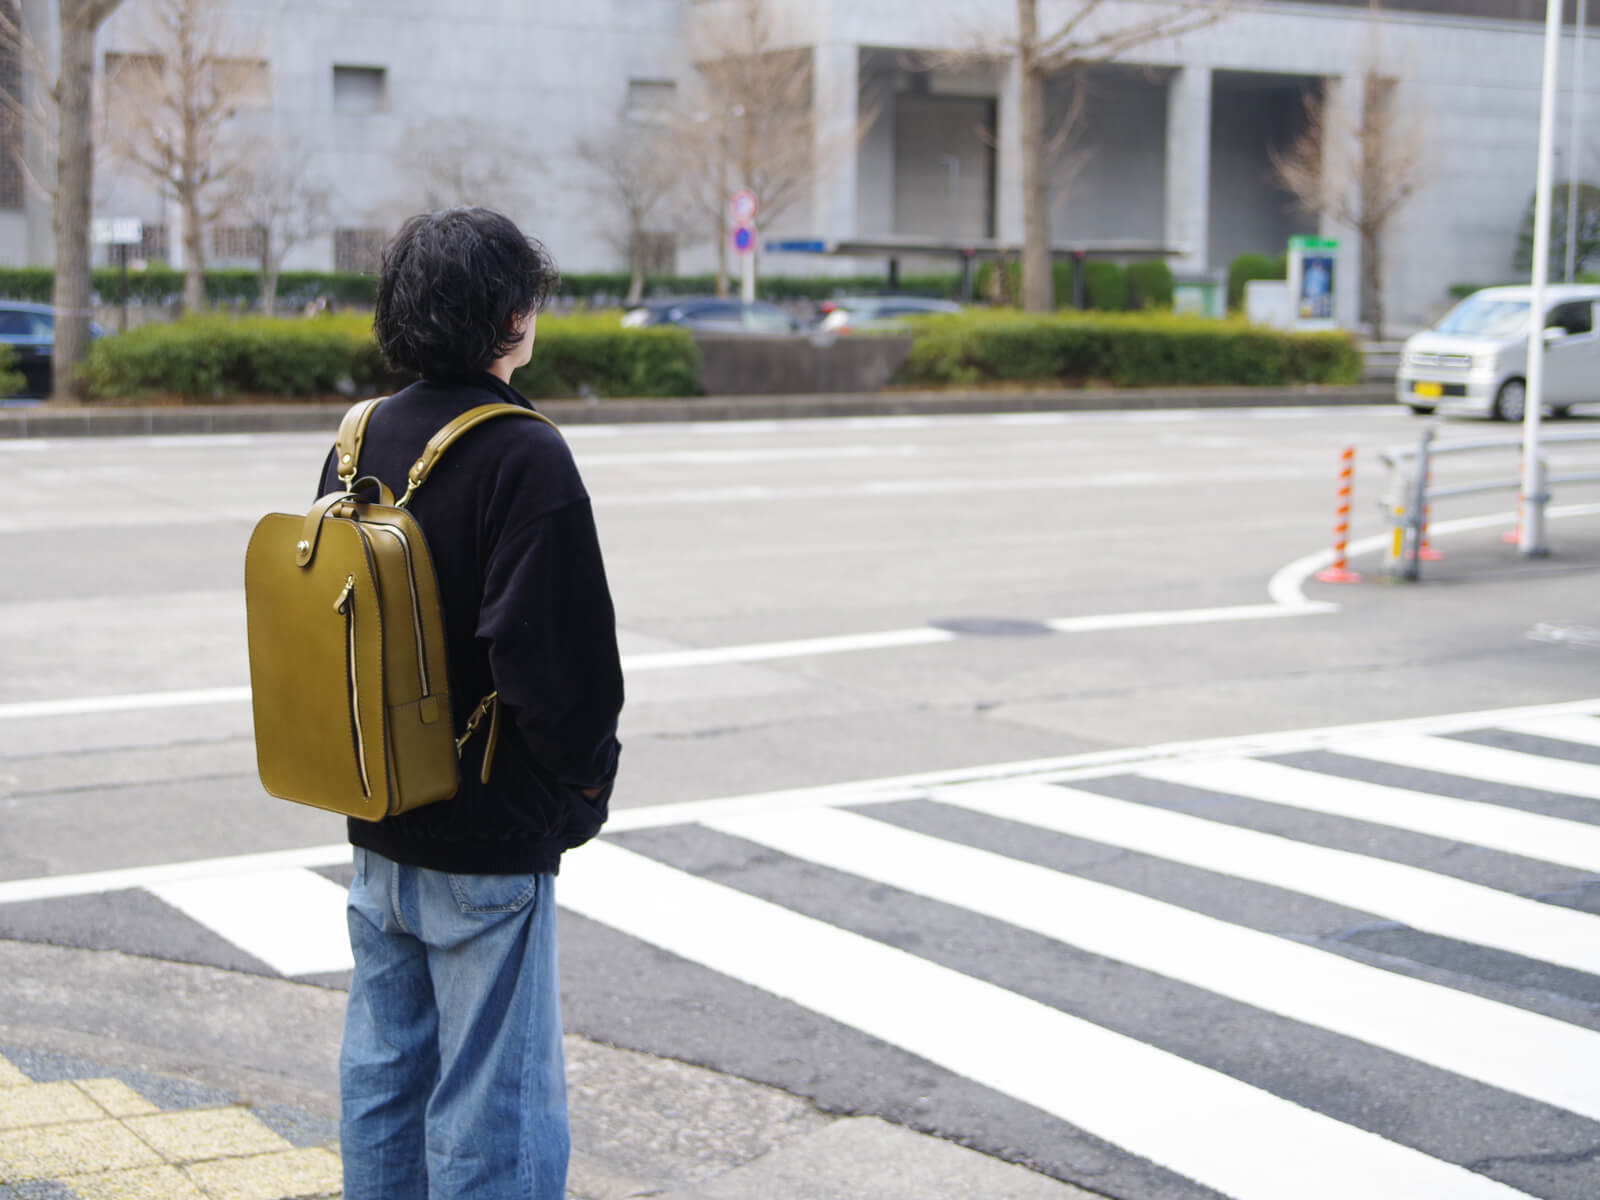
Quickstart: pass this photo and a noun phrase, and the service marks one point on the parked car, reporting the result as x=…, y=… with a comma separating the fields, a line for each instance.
x=30, y=331
x=712, y=314
x=1475, y=360
x=852, y=314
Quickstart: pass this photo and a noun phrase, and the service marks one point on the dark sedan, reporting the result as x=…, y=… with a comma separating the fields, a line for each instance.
x=712, y=314
x=30, y=331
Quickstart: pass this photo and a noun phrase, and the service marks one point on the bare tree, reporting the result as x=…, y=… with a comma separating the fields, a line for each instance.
x=172, y=118
x=56, y=107
x=1085, y=38
x=1358, y=169
x=751, y=121
x=637, y=175
x=452, y=161
x=278, y=196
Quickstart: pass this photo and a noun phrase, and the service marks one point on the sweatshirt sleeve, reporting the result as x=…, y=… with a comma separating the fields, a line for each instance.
x=551, y=629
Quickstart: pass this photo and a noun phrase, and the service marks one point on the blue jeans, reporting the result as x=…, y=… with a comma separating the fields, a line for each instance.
x=451, y=1075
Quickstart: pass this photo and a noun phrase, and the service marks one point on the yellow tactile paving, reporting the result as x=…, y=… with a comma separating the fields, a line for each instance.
x=144, y=1183
x=194, y=1135
x=54, y=1151
x=116, y=1097
x=10, y=1076
x=290, y=1175
x=45, y=1104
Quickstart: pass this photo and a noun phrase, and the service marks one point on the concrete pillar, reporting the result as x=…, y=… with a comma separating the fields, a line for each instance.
x=1188, y=215
x=836, y=109
x=1008, y=156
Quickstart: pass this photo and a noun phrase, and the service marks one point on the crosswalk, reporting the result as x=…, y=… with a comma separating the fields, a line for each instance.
x=1351, y=962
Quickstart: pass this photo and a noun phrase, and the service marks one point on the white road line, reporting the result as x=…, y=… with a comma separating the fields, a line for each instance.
x=1475, y=822
x=1422, y=899
x=621, y=458
x=1201, y=1123
x=1584, y=731
x=293, y=920
x=1192, y=616
x=78, y=706
x=664, y=660
x=1523, y=1052
x=946, y=486
x=713, y=656
x=1146, y=759
x=236, y=866
x=1482, y=762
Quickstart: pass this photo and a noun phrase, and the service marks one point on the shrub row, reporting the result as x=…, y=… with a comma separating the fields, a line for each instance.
x=1246, y=267
x=216, y=356
x=1107, y=286
x=1124, y=350
x=237, y=288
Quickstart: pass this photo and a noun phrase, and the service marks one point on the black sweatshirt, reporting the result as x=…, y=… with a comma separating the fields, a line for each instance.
x=526, y=611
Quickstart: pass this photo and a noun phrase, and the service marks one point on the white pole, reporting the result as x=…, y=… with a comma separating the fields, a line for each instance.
x=1574, y=169
x=747, y=276
x=1528, y=543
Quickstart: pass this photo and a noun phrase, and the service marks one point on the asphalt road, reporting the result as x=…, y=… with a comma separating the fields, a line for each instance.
x=809, y=605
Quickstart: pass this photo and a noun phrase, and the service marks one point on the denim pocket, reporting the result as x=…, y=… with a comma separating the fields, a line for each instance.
x=493, y=893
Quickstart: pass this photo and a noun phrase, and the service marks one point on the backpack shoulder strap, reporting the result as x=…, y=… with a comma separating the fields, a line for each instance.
x=442, y=441
x=351, y=430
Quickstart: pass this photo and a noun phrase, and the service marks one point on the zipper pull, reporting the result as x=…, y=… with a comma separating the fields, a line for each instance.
x=343, y=601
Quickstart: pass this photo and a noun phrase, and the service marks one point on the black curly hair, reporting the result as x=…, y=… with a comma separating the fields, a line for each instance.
x=455, y=288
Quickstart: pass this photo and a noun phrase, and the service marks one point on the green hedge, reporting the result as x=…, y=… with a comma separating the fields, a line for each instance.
x=1149, y=284
x=1124, y=350
x=215, y=356
x=237, y=288
x=1253, y=266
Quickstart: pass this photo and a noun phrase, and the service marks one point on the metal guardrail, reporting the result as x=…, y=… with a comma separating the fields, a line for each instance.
x=1411, y=491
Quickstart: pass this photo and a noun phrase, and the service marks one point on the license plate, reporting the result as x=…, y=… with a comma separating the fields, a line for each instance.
x=1428, y=389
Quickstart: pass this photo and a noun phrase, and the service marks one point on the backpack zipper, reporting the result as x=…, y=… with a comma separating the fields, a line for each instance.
x=345, y=607
x=416, y=607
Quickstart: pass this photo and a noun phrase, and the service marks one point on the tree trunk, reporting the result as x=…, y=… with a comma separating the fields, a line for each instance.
x=1037, y=285
x=74, y=186
x=1372, y=279
x=722, y=254
x=269, y=275
x=635, y=269
x=194, y=257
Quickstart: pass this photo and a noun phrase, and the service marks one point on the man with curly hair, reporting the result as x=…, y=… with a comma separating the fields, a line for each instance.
x=451, y=1072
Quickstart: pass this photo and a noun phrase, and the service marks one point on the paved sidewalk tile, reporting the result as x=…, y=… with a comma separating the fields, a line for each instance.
x=102, y=1138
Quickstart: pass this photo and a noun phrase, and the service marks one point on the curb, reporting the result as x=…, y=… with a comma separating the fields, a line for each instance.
x=89, y=421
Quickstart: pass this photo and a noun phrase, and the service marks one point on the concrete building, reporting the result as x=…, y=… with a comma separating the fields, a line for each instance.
x=398, y=104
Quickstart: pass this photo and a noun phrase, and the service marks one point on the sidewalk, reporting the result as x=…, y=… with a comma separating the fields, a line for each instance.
x=125, y=1078
x=117, y=420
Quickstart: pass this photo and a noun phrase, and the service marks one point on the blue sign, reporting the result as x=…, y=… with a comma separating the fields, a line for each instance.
x=744, y=239
x=797, y=247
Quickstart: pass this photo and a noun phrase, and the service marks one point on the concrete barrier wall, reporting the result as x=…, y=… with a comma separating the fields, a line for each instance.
x=744, y=365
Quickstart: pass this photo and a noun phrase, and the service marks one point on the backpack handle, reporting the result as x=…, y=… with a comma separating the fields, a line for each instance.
x=446, y=437
x=351, y=430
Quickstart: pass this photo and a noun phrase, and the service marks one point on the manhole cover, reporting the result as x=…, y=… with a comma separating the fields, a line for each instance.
x=993, y=627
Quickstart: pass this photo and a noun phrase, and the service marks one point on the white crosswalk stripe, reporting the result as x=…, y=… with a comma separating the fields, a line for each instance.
x=1191, y=1109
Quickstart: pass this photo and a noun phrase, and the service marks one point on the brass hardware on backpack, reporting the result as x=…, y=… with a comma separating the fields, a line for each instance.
x=348, y=713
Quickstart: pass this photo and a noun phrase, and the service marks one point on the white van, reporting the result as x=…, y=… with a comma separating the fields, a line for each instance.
x=1475, y=360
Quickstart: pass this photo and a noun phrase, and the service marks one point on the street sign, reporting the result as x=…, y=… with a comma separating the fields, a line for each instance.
x=742, y=206
x=797, y=246
x=116, y=231
x=744, y=239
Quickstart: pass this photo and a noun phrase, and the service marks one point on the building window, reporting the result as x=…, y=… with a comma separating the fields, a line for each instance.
x=650, y=99
x=359, y=89
x=358, y=249
x=236, y=241
x=247, y=81
x=133, y=73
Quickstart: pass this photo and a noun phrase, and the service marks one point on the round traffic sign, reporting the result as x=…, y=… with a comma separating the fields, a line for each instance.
x=744, y=239
x=742, y=206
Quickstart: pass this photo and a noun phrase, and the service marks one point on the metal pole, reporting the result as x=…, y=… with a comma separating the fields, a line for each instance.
x=1416, y=503
x=1541, y=269
x=1574, y=172
x=747, y=275
x=1533, y=513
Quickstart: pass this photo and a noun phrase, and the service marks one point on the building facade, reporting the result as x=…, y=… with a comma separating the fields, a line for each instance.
x=395, y=105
